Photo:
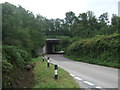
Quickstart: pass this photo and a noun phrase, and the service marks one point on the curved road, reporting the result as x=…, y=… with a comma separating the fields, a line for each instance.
x=88, y=75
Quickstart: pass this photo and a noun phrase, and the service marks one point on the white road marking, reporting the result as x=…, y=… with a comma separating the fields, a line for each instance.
x=98, y=87
x=51, y=59
x=72, y=75
x=88, y=83
x=78, y=78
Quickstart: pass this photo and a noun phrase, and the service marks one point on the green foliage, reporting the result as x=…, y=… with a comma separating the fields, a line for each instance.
x=21, y=28
x=85, y=25
x=116, y=23
x=12, y=58
x=100, y=50
x=6, y=66
x=65, y=42
x=15, y=55
x=21, y=37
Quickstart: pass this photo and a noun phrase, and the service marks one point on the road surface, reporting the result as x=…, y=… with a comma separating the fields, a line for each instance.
x=88, y=75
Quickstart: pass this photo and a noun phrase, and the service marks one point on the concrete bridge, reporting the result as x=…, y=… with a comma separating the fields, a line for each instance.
x=49, y=47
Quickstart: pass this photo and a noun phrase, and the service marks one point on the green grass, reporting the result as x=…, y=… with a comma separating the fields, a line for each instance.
x=44, y=76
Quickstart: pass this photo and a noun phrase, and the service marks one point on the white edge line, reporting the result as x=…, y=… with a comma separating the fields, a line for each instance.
x=51, y=58
x=78, y=78
x=98, y=87
x=88, y=83
x=72, y=75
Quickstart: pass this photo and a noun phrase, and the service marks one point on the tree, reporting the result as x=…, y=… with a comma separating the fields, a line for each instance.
x=21, y=28
x=70, y=17
x=116, y=23
x=83, y=19
x=104, y=19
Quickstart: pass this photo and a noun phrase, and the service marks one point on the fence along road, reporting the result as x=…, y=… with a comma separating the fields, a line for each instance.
x=88, y=75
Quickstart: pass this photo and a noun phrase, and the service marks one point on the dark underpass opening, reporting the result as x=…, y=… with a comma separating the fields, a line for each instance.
x=50, y=46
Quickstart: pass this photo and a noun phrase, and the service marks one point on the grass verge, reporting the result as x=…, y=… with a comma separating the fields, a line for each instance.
x=44, y=76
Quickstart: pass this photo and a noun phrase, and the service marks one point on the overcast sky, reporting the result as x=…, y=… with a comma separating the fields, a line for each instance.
x=58, y=8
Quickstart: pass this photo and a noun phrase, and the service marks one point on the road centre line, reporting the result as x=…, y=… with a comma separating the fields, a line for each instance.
x=89, y=83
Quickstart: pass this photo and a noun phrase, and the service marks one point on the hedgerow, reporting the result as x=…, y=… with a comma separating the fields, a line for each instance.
x=102, y=50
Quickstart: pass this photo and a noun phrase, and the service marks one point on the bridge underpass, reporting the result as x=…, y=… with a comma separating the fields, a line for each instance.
x=49, y=47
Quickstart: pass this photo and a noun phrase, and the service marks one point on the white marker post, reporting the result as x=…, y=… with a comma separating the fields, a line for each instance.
x=56, y=72
x=48, y=62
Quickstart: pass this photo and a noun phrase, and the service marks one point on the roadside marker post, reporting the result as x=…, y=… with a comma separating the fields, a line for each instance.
x=43, y=58
x=56, y=71
x=40, y=54
x=48, y=62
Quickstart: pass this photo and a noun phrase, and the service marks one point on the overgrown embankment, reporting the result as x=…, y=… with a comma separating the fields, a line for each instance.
x=20, y=40
x=13, y=73
x=102, y=50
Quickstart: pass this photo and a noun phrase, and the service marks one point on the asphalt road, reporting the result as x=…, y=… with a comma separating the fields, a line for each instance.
x=88, y=75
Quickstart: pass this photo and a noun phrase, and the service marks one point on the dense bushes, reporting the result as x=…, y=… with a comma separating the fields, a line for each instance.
x=102, y=50
x=15, y=56
x=12, y=57
x=6, y=66
x=66, y=41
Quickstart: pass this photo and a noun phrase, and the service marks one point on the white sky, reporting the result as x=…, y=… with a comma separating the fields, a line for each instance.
x=58, y=8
